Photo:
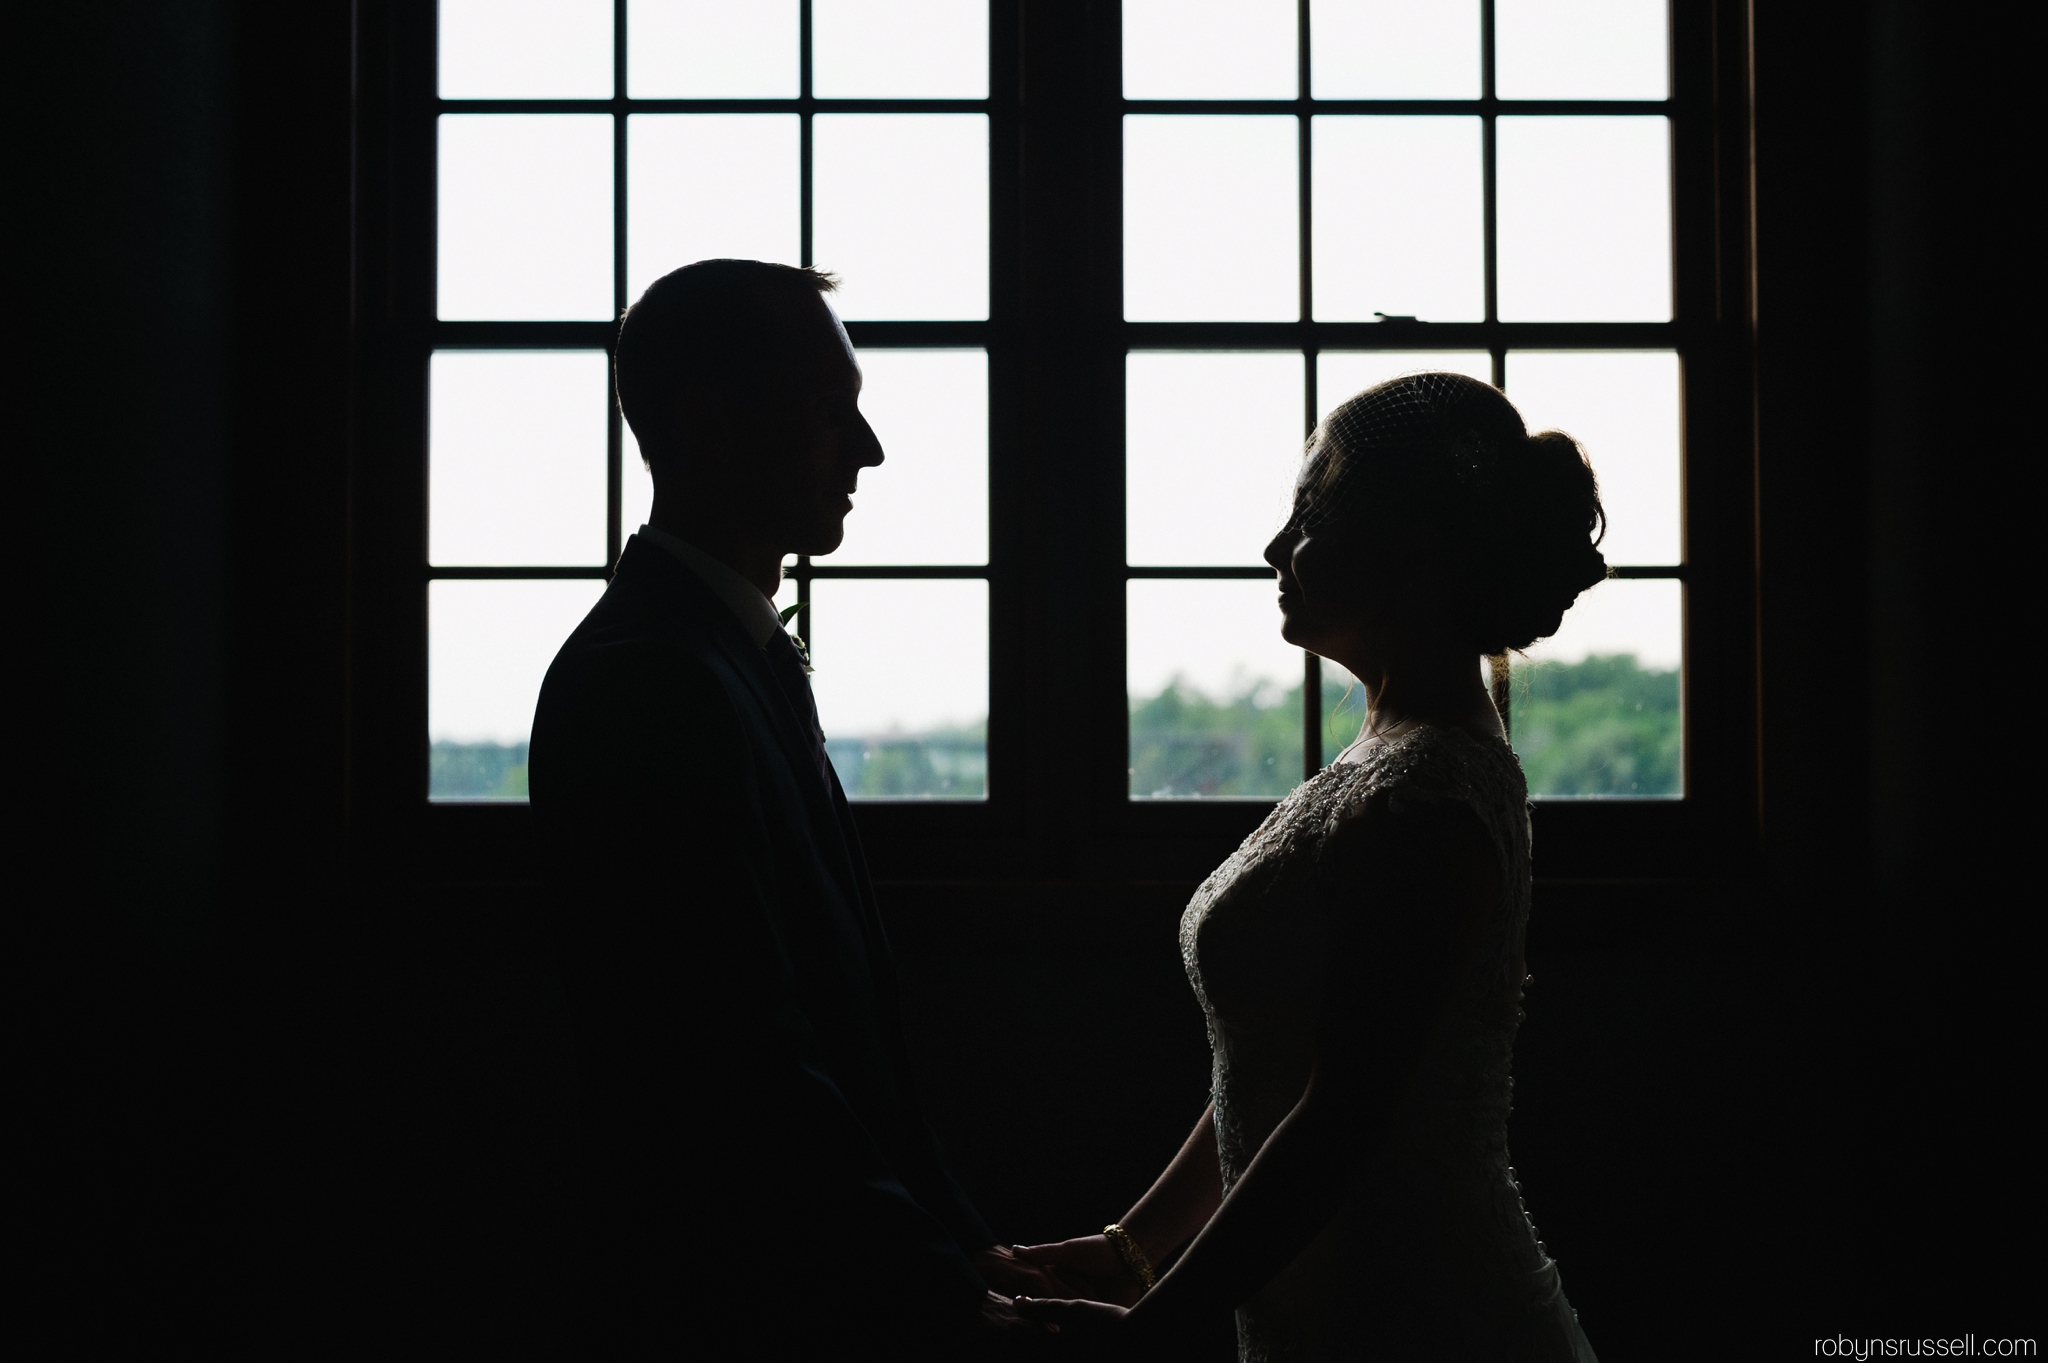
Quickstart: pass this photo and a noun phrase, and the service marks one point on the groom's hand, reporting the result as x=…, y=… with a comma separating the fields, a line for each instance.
x=1080, y=1322
x=1002, y=1269
x=1088, y=1269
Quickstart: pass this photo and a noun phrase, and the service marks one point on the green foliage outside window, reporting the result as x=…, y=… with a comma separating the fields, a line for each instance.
x=476, y=771
x=943, y=764
x=1604, y=726
x=1248, y=746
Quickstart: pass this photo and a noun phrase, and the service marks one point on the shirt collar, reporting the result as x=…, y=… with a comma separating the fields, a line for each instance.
x=756, y=613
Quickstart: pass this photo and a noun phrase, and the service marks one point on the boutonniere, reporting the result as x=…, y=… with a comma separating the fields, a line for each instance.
x=803, y=651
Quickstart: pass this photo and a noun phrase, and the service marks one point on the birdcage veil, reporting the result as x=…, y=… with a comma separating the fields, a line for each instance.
x=1426, y=424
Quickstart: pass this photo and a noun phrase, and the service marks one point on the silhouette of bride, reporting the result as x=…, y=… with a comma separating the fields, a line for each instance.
x=1360, y=957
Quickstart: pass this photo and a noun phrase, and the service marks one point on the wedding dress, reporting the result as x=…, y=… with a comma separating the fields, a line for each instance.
x=1434, y=1258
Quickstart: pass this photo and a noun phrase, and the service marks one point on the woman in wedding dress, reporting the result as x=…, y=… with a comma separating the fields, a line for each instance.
x=1359, y=958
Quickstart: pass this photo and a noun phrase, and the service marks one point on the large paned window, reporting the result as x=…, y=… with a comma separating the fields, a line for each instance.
x=585, y=148
x=1479, y=188
x=1105, y=268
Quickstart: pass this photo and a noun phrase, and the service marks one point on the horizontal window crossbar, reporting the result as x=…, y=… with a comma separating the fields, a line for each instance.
x=1673, y=570
x=599, y=335
x=936, y=570
x=1403, y=335
x=1239, y=573
x=902, y=570
x=524, y=335
x=506, y=574
x=1541, y=107
x=908, y=570
x=910, y=335
x=627, y=105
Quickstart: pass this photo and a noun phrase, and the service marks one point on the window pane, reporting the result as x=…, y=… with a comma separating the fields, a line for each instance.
x=712, y=49
x=1210, y=49
x=705, y=185
x=526, y=49
x=1394, y=49
x=1623, y=406
x=525, y=217
x=902, y=686
x=1399, y=219
x=1211, y=218
x=1344, y=374
x=1580, y=49
x=1585, y=219
x=928, y=502
x=1596, y=707
x=1212, y=444
x=1215, y=692
x=516, y=450
x=899, y=49
x=901, y=213
x=488, y=646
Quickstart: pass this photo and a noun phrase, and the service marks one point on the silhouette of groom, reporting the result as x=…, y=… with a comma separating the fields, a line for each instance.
x=754, y=1167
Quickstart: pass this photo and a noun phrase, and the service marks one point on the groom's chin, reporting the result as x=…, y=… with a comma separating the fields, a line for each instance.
x=825, y=533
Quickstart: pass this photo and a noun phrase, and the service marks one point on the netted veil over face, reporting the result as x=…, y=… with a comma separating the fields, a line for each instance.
x=1422, y=426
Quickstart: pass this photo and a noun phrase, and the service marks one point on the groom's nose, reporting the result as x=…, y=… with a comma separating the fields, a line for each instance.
x=867, y=448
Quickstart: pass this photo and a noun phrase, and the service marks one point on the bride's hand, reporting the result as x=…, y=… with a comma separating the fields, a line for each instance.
x=1088, y=1269
x=1003, y=1268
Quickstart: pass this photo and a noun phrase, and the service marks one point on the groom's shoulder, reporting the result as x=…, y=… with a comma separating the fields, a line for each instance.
x=623, y=651
x=648, y=651
x=656, y=614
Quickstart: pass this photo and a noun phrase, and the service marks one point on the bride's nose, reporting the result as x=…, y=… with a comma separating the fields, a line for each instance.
x=1280, y=549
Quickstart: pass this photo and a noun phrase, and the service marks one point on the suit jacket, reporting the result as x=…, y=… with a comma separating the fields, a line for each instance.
x=751, y=1141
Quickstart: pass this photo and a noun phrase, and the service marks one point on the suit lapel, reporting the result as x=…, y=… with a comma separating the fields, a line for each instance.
x=678, y=585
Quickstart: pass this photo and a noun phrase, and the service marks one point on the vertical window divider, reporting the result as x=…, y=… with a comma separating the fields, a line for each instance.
x=614, y=434
x=1489, y=112
x=1498, y=669
x=1311, y=665
x=805, y=112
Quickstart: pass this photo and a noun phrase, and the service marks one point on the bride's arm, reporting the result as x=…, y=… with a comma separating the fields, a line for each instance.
x=1179, y=1203
x=1183, y=1198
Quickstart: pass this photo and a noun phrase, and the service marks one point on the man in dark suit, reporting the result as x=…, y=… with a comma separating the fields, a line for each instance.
x=757, y=1179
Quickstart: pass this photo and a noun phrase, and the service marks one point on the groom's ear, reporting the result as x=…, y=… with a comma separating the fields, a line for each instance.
x=714, y=426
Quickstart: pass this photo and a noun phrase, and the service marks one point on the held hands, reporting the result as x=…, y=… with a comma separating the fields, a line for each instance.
x=1004, y=1268
x=1078, y=1290
x=1088, y=1269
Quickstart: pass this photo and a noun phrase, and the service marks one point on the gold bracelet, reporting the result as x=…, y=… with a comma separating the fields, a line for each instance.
x=1134, y=1258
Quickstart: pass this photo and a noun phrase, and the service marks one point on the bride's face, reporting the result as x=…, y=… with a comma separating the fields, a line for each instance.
x=1332, y=588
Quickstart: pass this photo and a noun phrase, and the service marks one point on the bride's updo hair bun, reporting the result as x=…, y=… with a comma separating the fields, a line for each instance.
x=1508, y=523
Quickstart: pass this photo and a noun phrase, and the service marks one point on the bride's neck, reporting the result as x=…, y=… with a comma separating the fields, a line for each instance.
x=1444, y=691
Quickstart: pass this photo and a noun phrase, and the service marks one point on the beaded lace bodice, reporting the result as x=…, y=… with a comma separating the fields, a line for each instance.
x=1435, y=1257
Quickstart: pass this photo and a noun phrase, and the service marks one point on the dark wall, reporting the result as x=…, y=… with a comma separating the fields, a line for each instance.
x=119, y=413
x=305, y=1110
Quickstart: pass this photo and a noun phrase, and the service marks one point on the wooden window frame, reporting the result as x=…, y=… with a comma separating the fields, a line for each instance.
x=1058, y=808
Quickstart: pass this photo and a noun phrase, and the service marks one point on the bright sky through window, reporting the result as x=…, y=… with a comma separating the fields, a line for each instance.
x=1233, y=218
x=895, y=202
x=1398, y=228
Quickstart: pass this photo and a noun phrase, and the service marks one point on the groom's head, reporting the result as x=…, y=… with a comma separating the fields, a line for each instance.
x=743, y=391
